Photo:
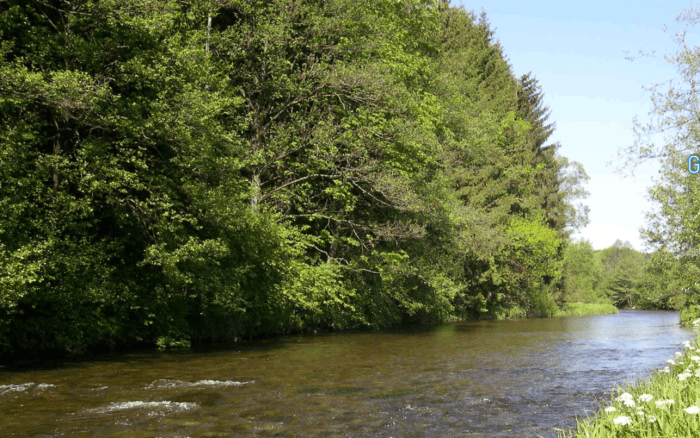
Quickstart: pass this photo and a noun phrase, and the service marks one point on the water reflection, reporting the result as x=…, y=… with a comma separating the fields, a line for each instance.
x=491, y=378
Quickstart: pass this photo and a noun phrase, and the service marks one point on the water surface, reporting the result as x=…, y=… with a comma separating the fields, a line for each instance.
x=516, y=378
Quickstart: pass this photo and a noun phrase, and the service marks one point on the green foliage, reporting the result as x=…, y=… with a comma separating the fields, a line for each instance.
x=583, y=309
x=535, y=248
x=294, y=166
x=571, y=178
x=541, y=302
x=660, y=283
x=582, y=274
x=690, y=314
x=622, y=268
x=622, y=276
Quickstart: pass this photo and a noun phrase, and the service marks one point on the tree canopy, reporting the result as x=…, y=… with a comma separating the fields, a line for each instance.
x=193, y=171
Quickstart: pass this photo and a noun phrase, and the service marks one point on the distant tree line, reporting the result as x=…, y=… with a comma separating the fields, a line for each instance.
x=177, y=172
x=619, y=275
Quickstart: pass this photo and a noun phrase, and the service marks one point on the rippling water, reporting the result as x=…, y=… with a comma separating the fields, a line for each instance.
x=478, y=379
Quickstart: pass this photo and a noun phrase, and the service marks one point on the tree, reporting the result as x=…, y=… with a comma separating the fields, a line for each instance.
x=582, y=273
x=675, y=226
x=549, y=168
x=622, y=272
x=660, y=286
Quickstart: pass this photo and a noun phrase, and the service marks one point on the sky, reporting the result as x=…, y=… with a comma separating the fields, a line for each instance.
x=576, y=50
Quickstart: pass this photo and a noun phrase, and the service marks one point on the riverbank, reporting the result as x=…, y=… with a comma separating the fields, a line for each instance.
x=582, y=309
x=568, y=309
x=665, y=404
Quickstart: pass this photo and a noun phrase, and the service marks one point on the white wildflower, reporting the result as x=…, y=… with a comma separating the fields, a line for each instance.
x=665, y=370
x=663, y=403
x=686, y=344
x=695, y=358
x=651, y=418
x=692, y=410
x=683, y=376
x=610, y=409
x=646, y=398
x=640, y=412
x=629, y=403
x=671, y=362
x=622, y=420
x=625, y=396
x=678, y=354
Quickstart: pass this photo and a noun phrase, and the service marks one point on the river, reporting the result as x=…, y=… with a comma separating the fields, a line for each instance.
x=518, y=378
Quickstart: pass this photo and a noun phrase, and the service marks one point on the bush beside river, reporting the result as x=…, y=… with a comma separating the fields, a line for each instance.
x=581, y=309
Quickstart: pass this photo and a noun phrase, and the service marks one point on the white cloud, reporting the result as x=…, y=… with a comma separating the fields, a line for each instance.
x=603, y=235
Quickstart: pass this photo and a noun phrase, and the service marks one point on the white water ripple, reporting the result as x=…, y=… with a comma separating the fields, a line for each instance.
x=6, y=389
x=121, y=406
x=23, y=387
x=220, y=383
x=167, y=384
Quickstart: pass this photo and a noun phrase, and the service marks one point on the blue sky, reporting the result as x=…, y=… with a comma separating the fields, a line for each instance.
x=576, y=51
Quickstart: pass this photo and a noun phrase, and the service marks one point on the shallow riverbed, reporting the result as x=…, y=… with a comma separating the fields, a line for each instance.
x=477, y=379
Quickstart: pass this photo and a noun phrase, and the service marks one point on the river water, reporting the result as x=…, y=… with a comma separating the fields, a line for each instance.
x=518, y=378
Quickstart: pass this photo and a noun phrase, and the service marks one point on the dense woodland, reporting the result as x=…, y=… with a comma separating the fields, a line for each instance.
x=176, y=172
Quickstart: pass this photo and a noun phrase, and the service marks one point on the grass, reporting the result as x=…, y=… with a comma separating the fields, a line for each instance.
x=581, y=309
x=665, y=405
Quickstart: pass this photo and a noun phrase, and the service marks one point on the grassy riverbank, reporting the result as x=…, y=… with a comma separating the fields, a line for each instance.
x=665, y=405
x=581, y=309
